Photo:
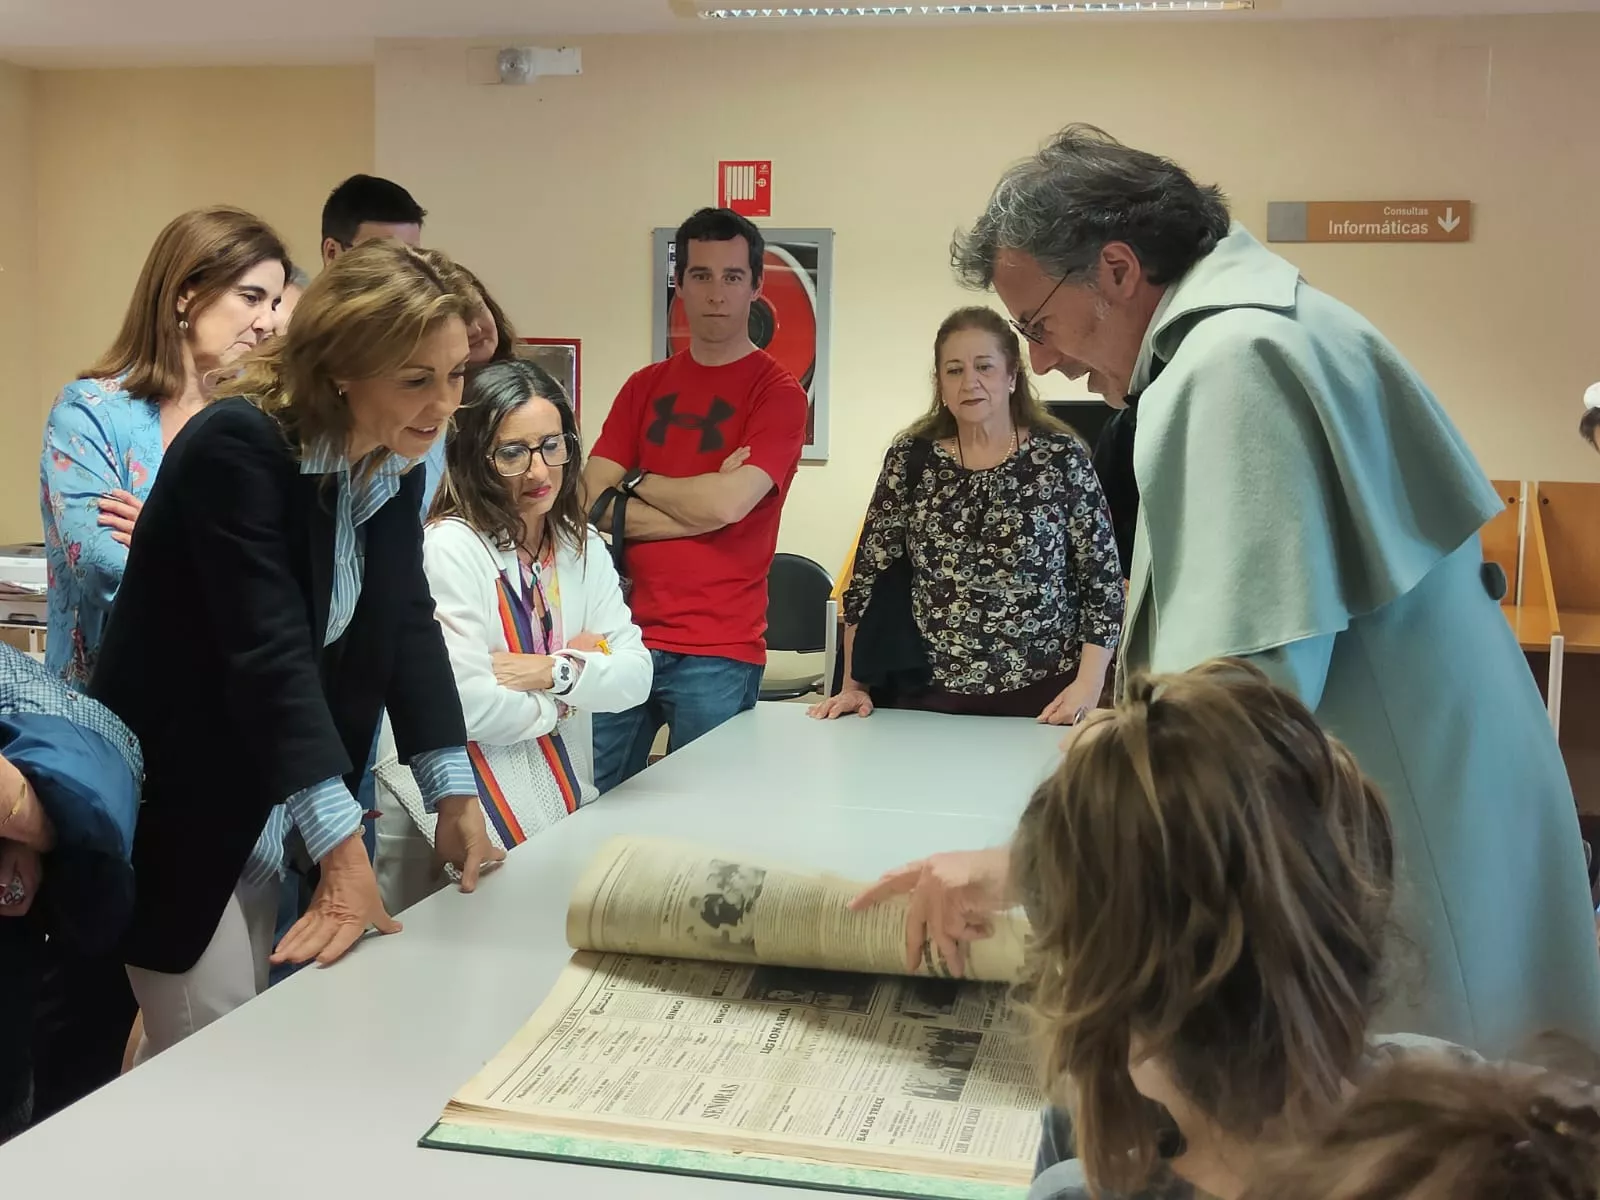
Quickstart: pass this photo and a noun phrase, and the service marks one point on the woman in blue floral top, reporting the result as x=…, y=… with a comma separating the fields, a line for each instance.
x=205, y=297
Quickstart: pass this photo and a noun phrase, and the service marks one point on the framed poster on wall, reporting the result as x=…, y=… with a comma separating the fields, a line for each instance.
x=791, y=319
x=563, y=358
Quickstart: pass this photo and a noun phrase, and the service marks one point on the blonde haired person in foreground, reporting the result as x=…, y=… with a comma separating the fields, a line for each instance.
x=1431, y=1130
x=274, y=605
x=1208, y=878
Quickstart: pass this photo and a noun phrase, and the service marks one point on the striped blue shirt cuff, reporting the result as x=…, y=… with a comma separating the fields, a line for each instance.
x=441, y=773
x=325, y=814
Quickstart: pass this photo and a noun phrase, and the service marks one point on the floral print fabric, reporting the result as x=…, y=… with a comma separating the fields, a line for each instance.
x=1014, y=568
x=97, y=438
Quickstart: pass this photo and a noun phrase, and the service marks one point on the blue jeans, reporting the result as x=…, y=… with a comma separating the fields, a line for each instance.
x=692, y=694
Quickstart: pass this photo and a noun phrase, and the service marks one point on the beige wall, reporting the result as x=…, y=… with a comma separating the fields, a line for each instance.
x=550, y=190
x=19, y=448
x=119, y=154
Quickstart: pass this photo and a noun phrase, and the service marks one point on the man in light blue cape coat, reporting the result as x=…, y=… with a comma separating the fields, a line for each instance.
x=1305, y=502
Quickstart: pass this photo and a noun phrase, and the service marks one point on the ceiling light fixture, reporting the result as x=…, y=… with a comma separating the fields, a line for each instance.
x=714, y=13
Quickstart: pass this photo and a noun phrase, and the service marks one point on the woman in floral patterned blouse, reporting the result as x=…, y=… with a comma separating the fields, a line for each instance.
x=1016, y=587
x=206, y=296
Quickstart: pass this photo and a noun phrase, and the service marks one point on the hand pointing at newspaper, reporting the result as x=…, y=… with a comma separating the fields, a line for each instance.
x=954, y=900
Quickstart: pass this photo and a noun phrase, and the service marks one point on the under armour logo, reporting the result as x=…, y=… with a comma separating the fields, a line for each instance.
x=667, y=417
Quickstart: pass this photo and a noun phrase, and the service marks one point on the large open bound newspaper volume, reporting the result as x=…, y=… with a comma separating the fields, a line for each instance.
x=732, y=1018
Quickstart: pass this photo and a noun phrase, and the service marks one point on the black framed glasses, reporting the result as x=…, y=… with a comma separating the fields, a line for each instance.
x=514, y=458
x=1029, y=329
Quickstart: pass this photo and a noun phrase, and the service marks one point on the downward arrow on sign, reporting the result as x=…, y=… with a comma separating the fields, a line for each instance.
x=1449, y=222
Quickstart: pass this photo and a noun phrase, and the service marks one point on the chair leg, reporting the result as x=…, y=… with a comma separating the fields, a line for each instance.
x=830, y=648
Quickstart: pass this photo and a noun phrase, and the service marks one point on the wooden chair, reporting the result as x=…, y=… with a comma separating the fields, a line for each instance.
x=1569, y=526
x=1515, y=540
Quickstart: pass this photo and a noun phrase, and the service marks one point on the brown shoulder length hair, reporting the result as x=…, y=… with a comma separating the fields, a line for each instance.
x=463, y=280
x=1427, y=1128
x=475, y=492
x=1027, y=411
x=505, y=347
x=362, y=317
x=1208, y=878
x=204, y=251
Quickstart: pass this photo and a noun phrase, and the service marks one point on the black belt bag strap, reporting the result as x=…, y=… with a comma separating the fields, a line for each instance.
x=619, y=525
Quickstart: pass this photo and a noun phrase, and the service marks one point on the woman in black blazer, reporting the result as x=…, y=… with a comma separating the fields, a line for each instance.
x=273, y=606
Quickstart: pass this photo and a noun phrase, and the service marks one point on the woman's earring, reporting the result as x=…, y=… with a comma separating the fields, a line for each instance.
x=183, y=324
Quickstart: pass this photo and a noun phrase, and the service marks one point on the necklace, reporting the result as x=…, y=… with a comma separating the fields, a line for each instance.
x=961, y=455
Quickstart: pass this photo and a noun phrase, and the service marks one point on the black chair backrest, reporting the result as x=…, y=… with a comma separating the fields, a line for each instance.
x=797, y=604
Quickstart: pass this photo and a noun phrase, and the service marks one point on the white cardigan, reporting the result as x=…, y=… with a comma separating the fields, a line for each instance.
x=464, y=569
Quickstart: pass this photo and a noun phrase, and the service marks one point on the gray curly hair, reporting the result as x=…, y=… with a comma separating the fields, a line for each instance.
x=1083, y=191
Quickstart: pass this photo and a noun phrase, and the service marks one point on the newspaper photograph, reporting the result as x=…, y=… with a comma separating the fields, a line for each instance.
x=904, y=1073
x=658, y=897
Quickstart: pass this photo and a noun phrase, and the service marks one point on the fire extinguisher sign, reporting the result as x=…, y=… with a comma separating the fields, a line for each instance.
x=745, y=186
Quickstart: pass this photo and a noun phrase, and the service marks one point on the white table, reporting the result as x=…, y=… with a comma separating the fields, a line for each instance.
x=323, y=1085
x=922, y=763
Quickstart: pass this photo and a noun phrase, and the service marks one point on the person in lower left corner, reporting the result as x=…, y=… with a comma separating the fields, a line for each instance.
x=69, y=794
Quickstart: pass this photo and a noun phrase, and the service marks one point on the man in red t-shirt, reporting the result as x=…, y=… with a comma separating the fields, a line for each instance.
x=702, y=449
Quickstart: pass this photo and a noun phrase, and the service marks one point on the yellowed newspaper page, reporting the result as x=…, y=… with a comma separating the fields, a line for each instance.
x=660, y=896
x=929, y=1076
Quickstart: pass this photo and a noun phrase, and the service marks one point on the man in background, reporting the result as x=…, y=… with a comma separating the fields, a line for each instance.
x=701, y=449
x=365, y=207
x=360, y=209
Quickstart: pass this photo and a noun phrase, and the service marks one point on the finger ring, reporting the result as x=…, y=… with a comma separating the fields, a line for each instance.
x=16, y=892
x=1080, y=714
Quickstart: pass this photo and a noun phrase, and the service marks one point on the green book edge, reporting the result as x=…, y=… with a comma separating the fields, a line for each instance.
x=640, y=1156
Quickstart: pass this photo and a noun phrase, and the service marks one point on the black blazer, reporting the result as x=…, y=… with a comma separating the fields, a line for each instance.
x=213, y=657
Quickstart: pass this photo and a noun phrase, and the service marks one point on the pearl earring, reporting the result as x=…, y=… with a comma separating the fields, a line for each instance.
x=183, y=324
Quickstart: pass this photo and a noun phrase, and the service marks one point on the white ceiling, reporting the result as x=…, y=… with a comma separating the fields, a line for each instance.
x=102, y=32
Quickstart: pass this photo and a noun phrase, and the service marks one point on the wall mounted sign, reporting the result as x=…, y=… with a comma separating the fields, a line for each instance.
x=1369, y=221
x=745, y=187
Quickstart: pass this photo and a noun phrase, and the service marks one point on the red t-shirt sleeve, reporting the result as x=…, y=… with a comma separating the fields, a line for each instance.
x=619, y=436
x=776, y=431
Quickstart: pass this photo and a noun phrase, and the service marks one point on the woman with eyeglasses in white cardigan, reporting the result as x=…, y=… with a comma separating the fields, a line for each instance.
x=534, y=620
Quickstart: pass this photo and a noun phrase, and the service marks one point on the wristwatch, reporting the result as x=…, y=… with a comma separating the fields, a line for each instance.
x=562, y=676
x=630, y=481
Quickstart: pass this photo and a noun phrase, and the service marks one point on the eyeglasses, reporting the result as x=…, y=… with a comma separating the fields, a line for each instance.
x=1030, y=329
x=514, y=458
